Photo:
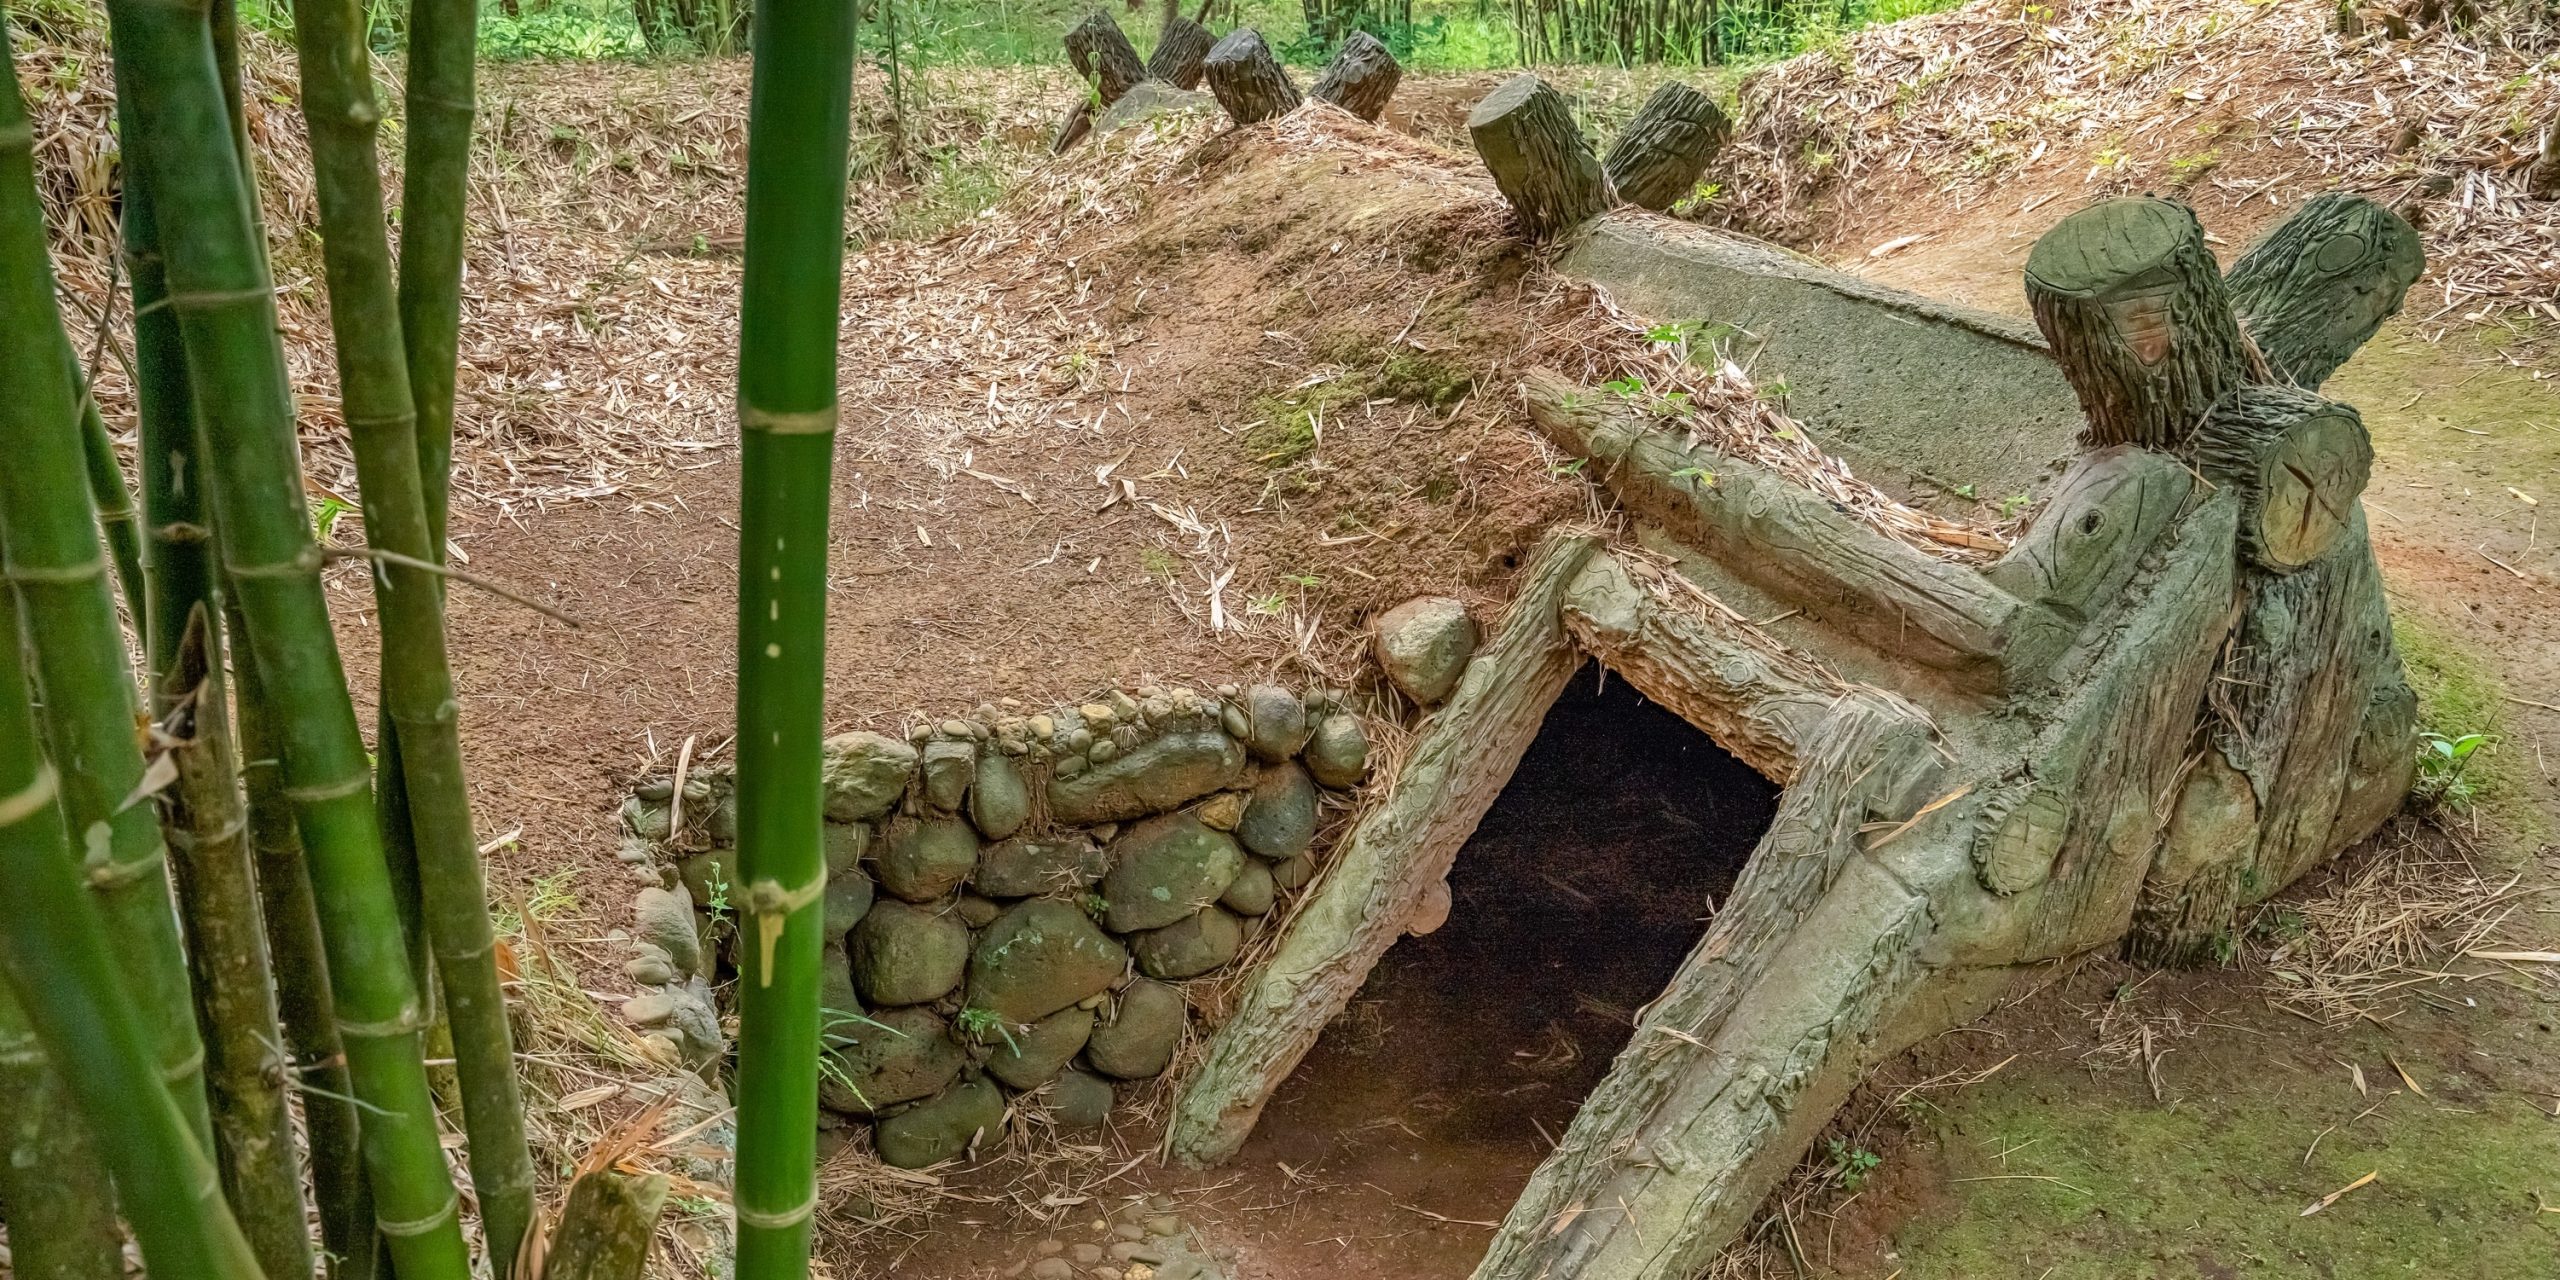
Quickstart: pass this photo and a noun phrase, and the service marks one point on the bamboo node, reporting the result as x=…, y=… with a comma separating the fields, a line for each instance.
x=781, y=1221
x=770, y=906
x=811, y=422
x=421, y=1226
x=405, y=1023
x=36, y=798
x=58, y=574
x=304, y=560
x=326, y=791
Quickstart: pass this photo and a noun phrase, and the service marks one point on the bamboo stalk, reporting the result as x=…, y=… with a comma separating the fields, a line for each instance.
x=417, y=684
x=114, y=502
x=798, y=123
x=54, y=1194
x=435, y=181
x=53, y=560
x=225, y=303
x=301, y=966
x=253, y=1142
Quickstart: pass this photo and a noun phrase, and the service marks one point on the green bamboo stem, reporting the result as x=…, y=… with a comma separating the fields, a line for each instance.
x=116, y=516
x=54, y=1194
x=417, y=683
x=219, y=287
x=435, y=183
x=310, y=1013
x=226, y=941
x=798, y=124
x=53, y=956
x=57, y=567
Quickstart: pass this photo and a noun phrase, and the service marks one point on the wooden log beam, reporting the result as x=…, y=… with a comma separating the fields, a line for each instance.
x=2085, y=544
x=2319, y=284
x=1781, y=537
x=1361, y=77
x=1247, y=80
x=1380, y=879
x=2133, y=305
x=1675, y=1147
x=1181, y=53
x=1539, y=159
x=1755, y=699
x=2299, y=464
x=1674, y=136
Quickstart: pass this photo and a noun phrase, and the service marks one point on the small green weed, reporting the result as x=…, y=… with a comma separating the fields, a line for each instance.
x=2444, y=770
x=1851, y=1166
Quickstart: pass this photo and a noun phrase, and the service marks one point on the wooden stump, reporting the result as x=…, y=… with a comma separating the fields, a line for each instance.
x=1361, y=77
x=1181, y=53
x=2298, y=462
x=1072, y=130
x=1671, y=141
x=606, y=1228
x=2131, y=300
x=2542, y=181
x=1538, y=157
x=1102, y=54
x=1247, y=80
x=2314, y=288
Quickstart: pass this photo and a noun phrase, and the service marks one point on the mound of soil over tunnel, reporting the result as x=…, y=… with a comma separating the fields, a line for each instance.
x=1465, y=1056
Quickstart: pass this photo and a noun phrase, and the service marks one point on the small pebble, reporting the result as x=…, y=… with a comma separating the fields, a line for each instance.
x=1164, y=1225
x=1129, y=1231
x=1052, y=1269
x=1086, y=1255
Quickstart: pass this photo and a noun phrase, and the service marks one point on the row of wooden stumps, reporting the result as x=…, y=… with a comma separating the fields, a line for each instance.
x=1241, y=71
x=1543, y=165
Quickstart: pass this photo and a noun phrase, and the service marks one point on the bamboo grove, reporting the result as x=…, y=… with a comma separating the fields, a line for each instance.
x=245, y=912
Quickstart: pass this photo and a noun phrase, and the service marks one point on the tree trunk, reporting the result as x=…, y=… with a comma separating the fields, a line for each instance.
x=1780, y=535
x=2086, y=543
x=607, y=1226
x=1247, y=80
x=2314, y=288
x=1361, y=77
x=2134, y=307
x=1102, y=54
x=1539, y=160
x=2298, y=462
x=1383, y=873
x=1181, y=54
x=1657, y=1156
x=1671, y=141
x=1755, y=699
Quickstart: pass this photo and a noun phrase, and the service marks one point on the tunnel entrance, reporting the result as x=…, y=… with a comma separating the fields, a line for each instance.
x=1464, y=1056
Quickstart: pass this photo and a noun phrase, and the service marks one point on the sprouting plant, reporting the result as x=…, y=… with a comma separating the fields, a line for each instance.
x=1159, y=563
x=2444, y=769
x=2013, y=504
x=975, y=1023
x=1676, y=331
x=1964, y=491
x=1706, y=479
x=1572, y=467
x=324, y=517
x=1095, y=904
x=719, y=903
x=1271, y=605
x=1302, y=580
x=1626, y=386
x=1850, y=1166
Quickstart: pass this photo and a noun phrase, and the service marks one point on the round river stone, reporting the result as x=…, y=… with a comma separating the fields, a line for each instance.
x=1166, y=868
x=908, y=955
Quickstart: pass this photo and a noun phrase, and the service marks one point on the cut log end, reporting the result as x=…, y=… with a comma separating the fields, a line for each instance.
x=1361, y=78
x=1181, y=55
x=1248, y=81
x=2300, y=463
x=1526, y=135
x=1674, y=137
x=1101, y=53
x=2134, y=305
x=2314, y=288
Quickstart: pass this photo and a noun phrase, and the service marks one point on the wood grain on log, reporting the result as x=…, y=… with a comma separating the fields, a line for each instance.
x=2134, y=307
x=1361, y=77
x=2089, y=538
x=2319, y=284
x=1101, y=53
x=1181, y=54
x=607, y=1226
x=2184, y=916
x=1072, y=130
x=2299, y=464
x=1538, y=157
x=1384, y=871
x=1755, y=699
x=1786, y=540
x=1673, y=1148
x=1248, y=81
x=1674, y=136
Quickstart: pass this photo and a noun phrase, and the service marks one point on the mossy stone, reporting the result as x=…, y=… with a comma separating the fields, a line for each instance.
x=1079, y=1101
x=1275, y=722
x=838, y=1002
x=1338, y=754
x=844, y=844
x=1197, y=944
x=863, y=774
x=927, y=859
x=664, y=918
x=1140, y=1037
x=948, y=768
x=1280, y=822
x=908, y=955
x=1294, y=873
x=999, y=802
x=1252, y=892
x=977, y=912
x=848, y=901
x=1069, y=862
x=1423, y=645
x=1041, y=956
x=1034, y=1054
x=894, y=1056
x=707, y=877
x=942, y=1128
x=1166, y=868
x=1151, y=777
